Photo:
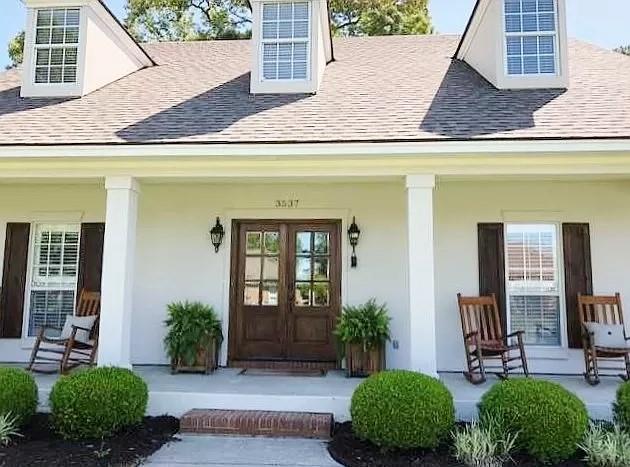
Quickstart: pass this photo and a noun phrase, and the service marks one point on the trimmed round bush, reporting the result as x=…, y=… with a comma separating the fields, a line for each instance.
x=18, y=394
x=550, y=421
x=97, y=402
x=402, y=409
x=622, y=405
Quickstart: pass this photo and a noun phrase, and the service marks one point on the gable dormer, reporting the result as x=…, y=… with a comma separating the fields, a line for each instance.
x=518, y=44
x=73, y=47
x=291, y=45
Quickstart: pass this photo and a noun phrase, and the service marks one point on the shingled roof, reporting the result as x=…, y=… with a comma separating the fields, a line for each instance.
x=394, y=88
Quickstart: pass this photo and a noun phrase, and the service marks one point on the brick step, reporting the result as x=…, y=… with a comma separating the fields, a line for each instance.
x=257, y=423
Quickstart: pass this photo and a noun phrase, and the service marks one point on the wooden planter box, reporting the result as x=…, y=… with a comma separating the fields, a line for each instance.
x=207, y=361
x=361, y=363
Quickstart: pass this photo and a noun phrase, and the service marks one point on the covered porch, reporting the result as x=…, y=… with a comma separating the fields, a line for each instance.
x=229, y=388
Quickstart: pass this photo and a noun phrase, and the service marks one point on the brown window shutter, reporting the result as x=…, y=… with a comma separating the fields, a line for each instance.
x=91, y=257
x=14, y=279
x=492, y=264
x=578, y=277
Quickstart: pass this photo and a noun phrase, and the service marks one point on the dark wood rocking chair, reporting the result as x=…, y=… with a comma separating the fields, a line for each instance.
x=69, y=352
x=484, y=339
x=603, y=310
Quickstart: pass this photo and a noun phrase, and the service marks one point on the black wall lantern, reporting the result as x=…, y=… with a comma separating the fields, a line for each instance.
x=353, y=235
x=216, y=235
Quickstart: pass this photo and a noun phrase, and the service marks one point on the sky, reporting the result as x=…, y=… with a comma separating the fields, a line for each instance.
x=607, y=25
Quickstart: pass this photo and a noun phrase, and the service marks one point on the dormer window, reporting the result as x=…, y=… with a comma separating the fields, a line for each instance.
x=531, y=37
x=285, y=41
x=56, y=45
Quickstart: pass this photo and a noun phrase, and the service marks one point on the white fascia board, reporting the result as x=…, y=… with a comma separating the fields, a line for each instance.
x=331, y=150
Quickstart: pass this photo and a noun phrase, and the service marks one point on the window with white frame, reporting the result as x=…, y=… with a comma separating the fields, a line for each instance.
x=531, y=37
x=56, y=45
x=285, y=40
x=533, y=287
x=53, y=275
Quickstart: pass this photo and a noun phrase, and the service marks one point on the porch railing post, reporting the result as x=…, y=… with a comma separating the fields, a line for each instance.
x=118, y=269
x=421, y=283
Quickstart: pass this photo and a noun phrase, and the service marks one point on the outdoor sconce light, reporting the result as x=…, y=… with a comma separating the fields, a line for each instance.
x=353, y=235
x=216, y=235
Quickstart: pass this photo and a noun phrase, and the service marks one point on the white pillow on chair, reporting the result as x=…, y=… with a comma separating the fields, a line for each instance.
x=86, y=322
x=607, y=335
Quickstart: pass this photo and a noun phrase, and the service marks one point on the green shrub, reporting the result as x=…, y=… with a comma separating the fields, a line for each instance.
x=402, y=409
x=18, y=394
x=8, y=428
x=549, y=420
x=97, y=402
x=621, y=407
x=606, y=447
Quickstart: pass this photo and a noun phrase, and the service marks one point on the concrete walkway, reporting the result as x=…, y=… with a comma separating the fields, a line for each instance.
x=223, y=451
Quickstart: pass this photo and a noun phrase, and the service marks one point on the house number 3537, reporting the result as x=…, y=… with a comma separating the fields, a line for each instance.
x=287, y=203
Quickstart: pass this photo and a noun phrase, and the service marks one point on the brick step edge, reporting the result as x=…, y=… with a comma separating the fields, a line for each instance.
x=257, y=423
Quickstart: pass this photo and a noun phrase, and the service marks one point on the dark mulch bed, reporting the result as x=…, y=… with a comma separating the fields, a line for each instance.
x=41, y=446
x=350, y=451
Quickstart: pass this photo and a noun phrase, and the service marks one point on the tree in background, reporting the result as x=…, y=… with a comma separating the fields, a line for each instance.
x=16, y=50
x=158, y=20
x=624, y=49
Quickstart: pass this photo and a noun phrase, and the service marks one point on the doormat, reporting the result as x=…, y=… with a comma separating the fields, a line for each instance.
x=283, y=372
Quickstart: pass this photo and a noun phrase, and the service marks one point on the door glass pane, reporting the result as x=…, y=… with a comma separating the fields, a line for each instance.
x=320, y=266
x=270, y=293
x=303, y=269
x=270, y=268
x=254, y=243
x=321, y=294
x=252, y=268
x=321, y=243
x=251, y=293
x=303, y=243
x=302, y=294
x=272, y=243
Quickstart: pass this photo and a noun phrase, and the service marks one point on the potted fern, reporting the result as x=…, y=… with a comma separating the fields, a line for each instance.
x=363, y=331
x=193, y=338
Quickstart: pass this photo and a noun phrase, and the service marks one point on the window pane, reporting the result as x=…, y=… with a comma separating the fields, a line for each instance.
x=321, y=294
x=44, y=17
x=70, y=74
x=251, y=293
x=56, y=56
x=546, y=44
x=529, y=6
x=254, y=246
x=72, y=35
x=530, y=23
x=59, y=17
x=270, y=70
x=272, y=243
x=530, y=45
x=270, y=268
x=320, y=269
x=285, y=29
x=300, y=52
x=303, y=269
x=303, y=294
x=70, y=56
x=41, y=75
x=515, y=66
x=321, y=243
x=538, y=316
x=57, y=36
x=547, y=22
x=303, y=242
x=49, y=308
x=285, y=51
x=514, y=46
x=270, y=11
x=42, y=36
x=270, y=52
x=530, y=65
x=300, y=11
x=548, y=64
x=285, y=11
x=252, y=268
x=270, y=30
x=72, y=17
x=284, y=70
x=513, y=23
x=270, y=294
x=300, y=29
x=42, y=57
x=545, y=5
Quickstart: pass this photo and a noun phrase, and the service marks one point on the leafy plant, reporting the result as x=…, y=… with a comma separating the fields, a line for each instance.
x=8, y=428
x=550, y=421
x=18, y=394
x=366, y=324
x=621, y=406
x=606, y=447
x=402, y=409
x=483, y=444
x=190, y=325
x=97, y=402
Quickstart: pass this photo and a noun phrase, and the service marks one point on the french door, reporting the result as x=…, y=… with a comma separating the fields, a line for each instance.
x=285, y=290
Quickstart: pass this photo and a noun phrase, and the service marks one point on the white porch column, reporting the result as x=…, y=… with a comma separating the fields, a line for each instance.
x=119, y=251
x=423, y=352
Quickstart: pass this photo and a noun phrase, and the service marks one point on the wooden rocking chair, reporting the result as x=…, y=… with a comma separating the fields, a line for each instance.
x=69, y=352
x=603, y=310
x=484, y=339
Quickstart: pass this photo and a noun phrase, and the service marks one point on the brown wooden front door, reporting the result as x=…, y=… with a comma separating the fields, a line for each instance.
x=285, y=290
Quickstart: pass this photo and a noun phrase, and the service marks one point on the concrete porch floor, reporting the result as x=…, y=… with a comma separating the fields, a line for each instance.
x=228, y=389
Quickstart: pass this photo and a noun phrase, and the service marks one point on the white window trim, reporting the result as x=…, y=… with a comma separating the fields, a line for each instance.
x=308, y=41
x=556, y=45
x=564, y=342
x=27, y=341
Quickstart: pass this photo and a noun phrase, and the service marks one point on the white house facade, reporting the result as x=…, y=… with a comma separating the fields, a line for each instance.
x=473, y=172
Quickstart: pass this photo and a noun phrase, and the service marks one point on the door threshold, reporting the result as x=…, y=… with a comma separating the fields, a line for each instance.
x=286, y=365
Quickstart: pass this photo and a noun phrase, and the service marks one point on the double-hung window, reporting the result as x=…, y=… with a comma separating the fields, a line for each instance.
x=531, y=37
x=285, y=40
x=53, y=277
x=56, y=45
x=533, y=286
